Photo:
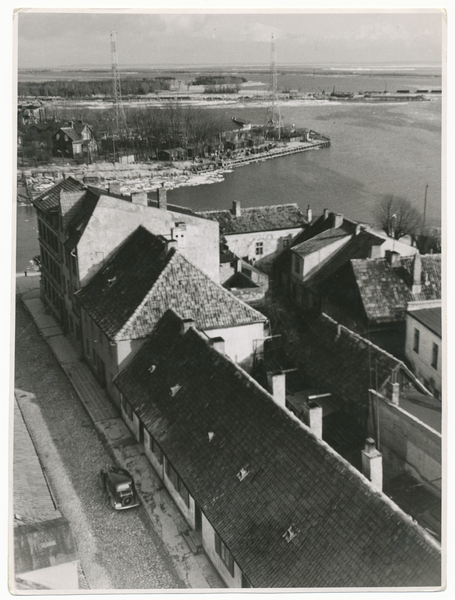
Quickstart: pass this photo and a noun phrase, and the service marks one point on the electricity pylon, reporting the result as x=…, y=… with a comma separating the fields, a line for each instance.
x=120, y=118
x=273, y=115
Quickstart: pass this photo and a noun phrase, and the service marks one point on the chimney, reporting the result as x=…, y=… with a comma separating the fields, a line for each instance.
x=114, y=187
x=218, y=344
x=395, y=386
x=372, y=463
x=236, y=209
x=276, y=382
x=171, y=244
x=162, y=197
x=375, y=251
x=178, y=233
x=309, y=214
x=139, y=198
x=358, y=229
x=391, y=257
x=337, y=220
x=326, y=214
x=187, y=324
x=312, y=414
x=417, y=274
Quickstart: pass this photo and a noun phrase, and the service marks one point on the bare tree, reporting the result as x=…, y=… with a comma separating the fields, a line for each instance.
x=397, y=217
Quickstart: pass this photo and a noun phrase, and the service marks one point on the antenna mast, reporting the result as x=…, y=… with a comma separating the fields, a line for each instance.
x=273, y=116
x=119, y=113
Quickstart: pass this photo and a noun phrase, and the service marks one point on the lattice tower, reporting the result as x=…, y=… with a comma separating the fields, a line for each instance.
x=273, y=115
x=120, y=118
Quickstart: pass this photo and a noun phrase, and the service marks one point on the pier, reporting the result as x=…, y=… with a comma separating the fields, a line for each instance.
x=276, y=153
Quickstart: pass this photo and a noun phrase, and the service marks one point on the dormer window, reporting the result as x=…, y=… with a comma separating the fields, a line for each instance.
x=242, y=474
x=175, y=389
x=152, y=368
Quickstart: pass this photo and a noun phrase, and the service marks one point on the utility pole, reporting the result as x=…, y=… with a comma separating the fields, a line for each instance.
x=273, y=116
x=425, y=208
x=120, y=118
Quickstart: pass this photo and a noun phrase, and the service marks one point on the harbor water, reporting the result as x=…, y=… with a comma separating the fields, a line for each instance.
x=377, y=150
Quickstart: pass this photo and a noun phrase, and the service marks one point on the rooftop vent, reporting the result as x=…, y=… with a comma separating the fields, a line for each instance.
x=112, y=280
x=242, y=474
x=152, y=368
x=289, y=534
x=211, y=434
x=175, y=389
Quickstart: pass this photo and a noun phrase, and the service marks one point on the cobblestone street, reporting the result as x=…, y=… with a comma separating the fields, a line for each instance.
x=118, y=550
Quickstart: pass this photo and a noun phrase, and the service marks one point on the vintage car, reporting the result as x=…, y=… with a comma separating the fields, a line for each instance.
x=119, y=488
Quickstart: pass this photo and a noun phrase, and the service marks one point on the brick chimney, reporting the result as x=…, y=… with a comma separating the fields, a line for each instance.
x=236, y=208
x=187, y=324
x=417, y=274
x=114, y=187
x=312, y=414
x=309, y=214
x=218, y=344
x=162, y=197
x=276, y=382
x=139, y=198
x=372, y=463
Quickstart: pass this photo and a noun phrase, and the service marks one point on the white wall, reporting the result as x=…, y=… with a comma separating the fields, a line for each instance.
x=208, y=540
x=421, y=361
x=310, y=262
x=239, y=342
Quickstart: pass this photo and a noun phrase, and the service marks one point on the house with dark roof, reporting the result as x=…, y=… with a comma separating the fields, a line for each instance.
x=45, y=554
x=321, y=249
x=80, y=227
x=351, y=390
x=271, y=503
x=423, y=345
x=74, y=139
x=370, y=296
x=146, y=276
x=258, y=234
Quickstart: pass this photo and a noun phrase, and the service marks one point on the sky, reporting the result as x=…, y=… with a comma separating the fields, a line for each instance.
x=179, y=38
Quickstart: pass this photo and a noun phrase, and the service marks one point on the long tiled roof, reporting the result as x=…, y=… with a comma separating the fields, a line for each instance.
x=127, y=297
x=321, y=240
x=258, y=218
x=347, y=365
x=50, y=198
x=347, y=534
x=386, y=289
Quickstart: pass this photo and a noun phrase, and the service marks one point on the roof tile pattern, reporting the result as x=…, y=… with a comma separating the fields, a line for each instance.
x=386, y=289
x=258, y=218
x=347, y=534
x=141, y=281
x=50, y=198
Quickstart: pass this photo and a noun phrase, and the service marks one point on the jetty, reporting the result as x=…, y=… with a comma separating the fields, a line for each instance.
x=295, y=148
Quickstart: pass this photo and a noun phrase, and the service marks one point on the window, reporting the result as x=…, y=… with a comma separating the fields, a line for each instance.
x=434, y=356
x=416, y=340
x=178, y=484
x=259, y=248
x=224, y=554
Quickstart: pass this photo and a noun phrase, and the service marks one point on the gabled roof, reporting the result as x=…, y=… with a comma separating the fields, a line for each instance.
x=71, y=133
x=321, y=240
x=50, y=198
x=339, y=361
x=430, y=317
x=128, y=296
x=386, y=289
x=257, y=218
x=347, y=534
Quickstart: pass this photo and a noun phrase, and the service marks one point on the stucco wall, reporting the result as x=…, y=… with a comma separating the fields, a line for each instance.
x=407, y=444
x=421, y=361
x=114, y=220
x=244, y=245
x=239, y=342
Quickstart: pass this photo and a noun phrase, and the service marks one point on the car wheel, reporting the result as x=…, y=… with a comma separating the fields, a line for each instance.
x=127, y=501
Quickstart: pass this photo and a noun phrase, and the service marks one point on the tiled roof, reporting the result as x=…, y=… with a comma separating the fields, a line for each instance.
x=50, y=198
x=347, y=533
x=357, y=247
x=141, y=281
x=258, y=218
x=71, y=133
x=430, y=317
x=341, y=362
x=386, y=289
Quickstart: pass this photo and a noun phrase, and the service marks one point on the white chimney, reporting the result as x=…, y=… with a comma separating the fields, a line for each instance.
x=236, y=208
x=372, y=463
x=276, y=382
x=218, y=344
x=417, y=274
x=139, y=198
x=171, y=244
x=312, y=414
x=187, y=324
x=309, y=214
x=162, y=197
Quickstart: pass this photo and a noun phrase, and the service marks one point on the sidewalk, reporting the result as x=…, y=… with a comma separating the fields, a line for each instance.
x=195, y=570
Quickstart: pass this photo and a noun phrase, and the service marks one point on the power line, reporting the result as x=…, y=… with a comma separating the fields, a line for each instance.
x=120, y=118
